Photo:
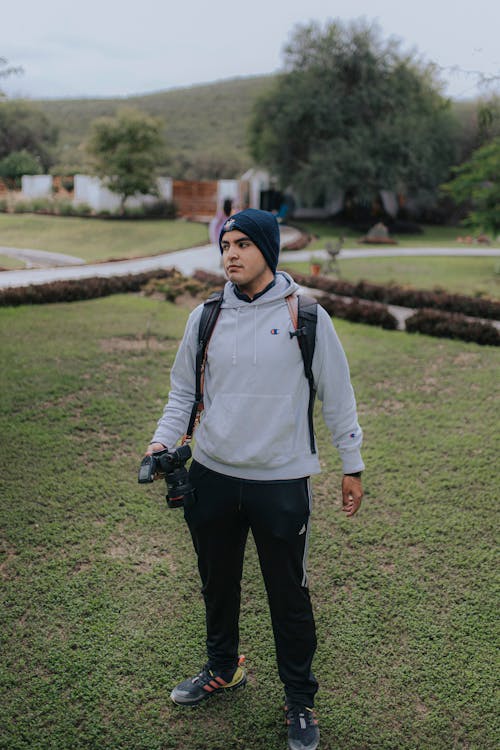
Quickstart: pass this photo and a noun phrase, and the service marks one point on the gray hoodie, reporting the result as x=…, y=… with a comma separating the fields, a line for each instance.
x=254, y=425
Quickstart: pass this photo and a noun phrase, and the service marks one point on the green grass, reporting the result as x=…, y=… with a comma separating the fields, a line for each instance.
x=431, y=236
x=7, y=263
x=461, y=275
x=101, y=607
x=99, y=239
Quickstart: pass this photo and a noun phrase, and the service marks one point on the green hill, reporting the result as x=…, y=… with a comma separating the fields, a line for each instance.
x=205, y=125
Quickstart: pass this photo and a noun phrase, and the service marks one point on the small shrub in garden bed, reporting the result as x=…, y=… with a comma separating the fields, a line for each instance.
x=452, y=326
x=176, y=285
x=405, y=296
x=214, y=280
x=82, y=209
x=22, y=207
x=65, y=208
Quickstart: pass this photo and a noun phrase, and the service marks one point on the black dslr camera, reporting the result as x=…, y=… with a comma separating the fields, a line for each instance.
x=172, y=465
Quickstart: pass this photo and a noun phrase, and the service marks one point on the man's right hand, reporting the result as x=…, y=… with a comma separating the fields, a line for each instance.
x=154, y=447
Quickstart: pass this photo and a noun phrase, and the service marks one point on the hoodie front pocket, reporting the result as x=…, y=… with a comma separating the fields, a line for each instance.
x=244, y=430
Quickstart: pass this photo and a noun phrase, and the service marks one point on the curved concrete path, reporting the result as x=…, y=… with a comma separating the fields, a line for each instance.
x=207, y=258
x=40, y=258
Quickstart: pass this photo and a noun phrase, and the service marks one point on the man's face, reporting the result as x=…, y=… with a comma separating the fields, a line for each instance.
x=244, y=264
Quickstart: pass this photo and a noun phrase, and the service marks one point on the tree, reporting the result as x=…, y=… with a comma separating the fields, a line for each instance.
x=351, y=113
x=477, y=182
x=24, y=127
x=17, y=163
x=126, y=150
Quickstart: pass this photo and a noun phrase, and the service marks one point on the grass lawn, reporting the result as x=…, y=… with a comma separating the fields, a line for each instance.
x=7, y=263
x=101, y=607
x=462, y=275
x=98, y=239
x=431, y=236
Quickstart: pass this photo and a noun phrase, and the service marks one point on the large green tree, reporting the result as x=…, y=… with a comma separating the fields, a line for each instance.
x=24, y=127
x=352, y=113
x=477, y=183
x=16, y=164
x=126, y=151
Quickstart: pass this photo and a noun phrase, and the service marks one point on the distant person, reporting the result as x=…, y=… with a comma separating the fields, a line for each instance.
x=286, y=208
x=217, y=222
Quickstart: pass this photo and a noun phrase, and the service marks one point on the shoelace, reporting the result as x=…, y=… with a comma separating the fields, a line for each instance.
x=208, y=680
x=301, y=716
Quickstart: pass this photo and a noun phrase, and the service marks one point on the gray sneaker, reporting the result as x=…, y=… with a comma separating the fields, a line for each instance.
x=208, y=682
x=303, y=732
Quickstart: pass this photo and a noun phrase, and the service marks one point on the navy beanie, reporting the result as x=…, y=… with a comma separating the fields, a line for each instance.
x=261, y=227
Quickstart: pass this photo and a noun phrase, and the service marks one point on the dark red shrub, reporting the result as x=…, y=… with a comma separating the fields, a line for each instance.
x=453, y=326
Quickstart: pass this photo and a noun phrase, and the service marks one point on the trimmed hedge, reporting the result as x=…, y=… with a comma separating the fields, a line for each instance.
x=405, y=296
x=452, y=326
x=427, y=321
x=371, y=313
x=78, y=289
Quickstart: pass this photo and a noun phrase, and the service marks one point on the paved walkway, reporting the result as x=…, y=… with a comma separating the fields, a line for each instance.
x=40, y=258
x=206, y=258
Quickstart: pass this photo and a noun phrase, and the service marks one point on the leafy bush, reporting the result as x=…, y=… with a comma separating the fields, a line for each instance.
x=35, y=205
x=17, y=163
x=4, y=205
x=131, y=212
x=404, y=296
x=453, y=326
x=176, y=285
x=22, y=207
x=160, y=209
x=45, y=205
x=65, y=208
x=82, y=209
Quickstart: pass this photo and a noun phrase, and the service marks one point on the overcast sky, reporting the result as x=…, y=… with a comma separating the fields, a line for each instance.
x=114, y=48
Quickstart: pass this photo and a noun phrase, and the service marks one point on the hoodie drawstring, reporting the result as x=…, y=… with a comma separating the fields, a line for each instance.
x=235, y=343
x=255, y=336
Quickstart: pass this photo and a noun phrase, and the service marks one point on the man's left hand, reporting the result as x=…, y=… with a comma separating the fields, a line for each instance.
x=352, y=493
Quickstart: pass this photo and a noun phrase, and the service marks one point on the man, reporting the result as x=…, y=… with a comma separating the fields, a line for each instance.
x=253, y=461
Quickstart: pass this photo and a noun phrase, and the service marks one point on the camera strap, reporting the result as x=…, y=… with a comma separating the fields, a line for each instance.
x=209, y=315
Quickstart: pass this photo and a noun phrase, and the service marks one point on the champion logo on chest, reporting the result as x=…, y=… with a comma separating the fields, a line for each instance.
x=275, y=331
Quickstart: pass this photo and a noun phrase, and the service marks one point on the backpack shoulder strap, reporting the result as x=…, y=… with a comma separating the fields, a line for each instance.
x=304, y=315
x=208, y=319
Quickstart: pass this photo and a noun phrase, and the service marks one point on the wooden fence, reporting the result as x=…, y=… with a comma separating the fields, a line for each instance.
x=195, y=200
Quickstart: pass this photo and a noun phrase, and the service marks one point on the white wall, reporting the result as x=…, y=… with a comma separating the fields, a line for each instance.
x=36, y=185
x=92, y=191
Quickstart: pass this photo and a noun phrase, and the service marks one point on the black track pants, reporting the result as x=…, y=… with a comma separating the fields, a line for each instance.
x=278, y=515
